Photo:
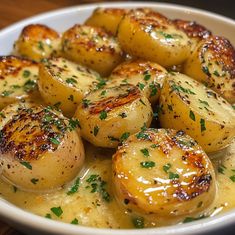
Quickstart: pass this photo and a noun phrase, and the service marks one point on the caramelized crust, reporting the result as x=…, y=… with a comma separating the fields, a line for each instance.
x=12, y=65
x=112, y=102
x=192, y=29
x=30, y=133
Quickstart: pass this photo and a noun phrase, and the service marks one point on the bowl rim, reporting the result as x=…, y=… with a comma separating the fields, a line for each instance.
x=9, y=211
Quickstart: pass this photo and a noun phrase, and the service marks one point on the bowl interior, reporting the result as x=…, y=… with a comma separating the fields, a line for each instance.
x=63, y=19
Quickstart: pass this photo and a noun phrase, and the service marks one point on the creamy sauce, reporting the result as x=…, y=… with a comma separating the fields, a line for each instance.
x=90, y=209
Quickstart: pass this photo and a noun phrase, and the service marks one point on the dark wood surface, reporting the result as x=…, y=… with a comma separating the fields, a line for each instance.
x=14, y=10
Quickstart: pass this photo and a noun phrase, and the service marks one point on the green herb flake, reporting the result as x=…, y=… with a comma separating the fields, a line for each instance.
x=124, y=136
x=48, y=216
x=29, y=85
x=71, y=81
x=142, y=135
x=75, y=187
x=34, y=181
x=221, y=169
x=154, y=146
x=232, y=178
x=101, y=83
x=103, y=93
x=2, y=115
x=191, y=115
x=112, y=138
x=54, y=141
x=15, y=86
x=40, y=46
x=73, y=124
x=145, y=152
x=166, y=167
x=26, y=73
x=27, y=165
x=203, y=126
x=178, y=88
x=57, y=211
x=74, y=221
x=203, y=102
x=96, y=130
x=216, y=73
x=6, y=93
x=138, y=222
x=103, y=115
x=147, y=164
x=206, y=70
x=141, y=86
x=173, y=176
x=147, y=77
x=86, y=103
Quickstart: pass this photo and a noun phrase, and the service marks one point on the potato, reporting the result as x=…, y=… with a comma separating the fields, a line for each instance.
x=64, y=82
x=108, y=116
x=149, y=35
x=107, y=18
x=190, y=106
x=37, y=41
x=163, y=173
x=148, y=76
x=194, y=31
x=18, y=79
x=40, y=149
x=213, y=63
x=92, y=47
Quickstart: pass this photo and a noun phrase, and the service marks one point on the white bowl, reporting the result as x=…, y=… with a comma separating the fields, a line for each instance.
x=63, y=19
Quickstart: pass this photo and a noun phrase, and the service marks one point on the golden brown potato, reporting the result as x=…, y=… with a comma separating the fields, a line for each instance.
x=40, y=149
x=107, y=18
x=64, y=82
x=163, y=173
x=37, y=41
x=148, y=76
x=194, y=31
x=149, y=35
x=92, y=47
x=188, y=105
x=18, y=79
x=213, y=63
x=108, y=116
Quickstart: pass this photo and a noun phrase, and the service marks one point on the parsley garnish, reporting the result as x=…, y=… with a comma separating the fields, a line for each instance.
x=166, y=167
x=141, y=86
x=173, y=175
x=6, y=93
x=232, y=178
x=138, y=222
x=145, y=151
x=74, y=221
x=147, y=164
x=27, y=165
x=142, y=135
x=26, y=73
x=54, y=141
x=124, y=136
x=86, y=102
x=71, y=81
x=34, y=181
x=190, y=219
x=96, y=130
x=75, y=187
x=191, y=115
x=103, y=115
x=203, y=127
x=203, y=102
x=29, y=85
x=57, y=211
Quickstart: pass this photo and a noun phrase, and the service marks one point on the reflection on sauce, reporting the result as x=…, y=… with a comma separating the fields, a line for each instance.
x=91, y=207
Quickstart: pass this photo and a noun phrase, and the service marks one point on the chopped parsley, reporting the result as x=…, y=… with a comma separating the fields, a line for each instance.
x=142, y=135
x=221, y=169
x=202, y=123
x=29, y=85
x=206, y=70
x=73, y=124
x=2, y=115
x=203, y=102
x=27, y=165
x=147, y=76
x=98, y=185
x=190, y=219
x=6, y=93
x=96, y=130
x=48, y=216
x=232, y=178
x=122, y=115
x=71, y=81
x=103, y=115
x=101, y=83
x=153, y=88
x=145, y=151
x=26, y=73
x=141, y=86
x=147, y=164
x=74, y=221
x=216, y=73
x=75, y=187
x=57, y=211
x=40, y=46
x=173, y=176
x=191, y=115
x=178, y=88
x=54, y=141
x=166, y=167
x=124, y=136
x=86, y=102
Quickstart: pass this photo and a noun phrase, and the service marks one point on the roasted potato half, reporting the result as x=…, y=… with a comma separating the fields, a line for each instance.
x=213, y=63
x=40, y=149
x=148, y=76
x=92, y=47
x=194, y=31
x=204, y=115
x=163, y=173
x=108, y=116
x=64, y=82
x=18, y=79
x=149, y=35
x=107, y=18
x=37, y=41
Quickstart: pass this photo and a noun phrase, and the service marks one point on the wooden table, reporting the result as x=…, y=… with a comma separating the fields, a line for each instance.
x=15, y=10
